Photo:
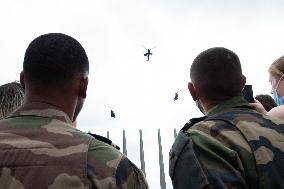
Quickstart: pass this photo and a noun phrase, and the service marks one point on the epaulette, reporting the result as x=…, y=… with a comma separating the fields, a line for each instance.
x=192, y=121
x=104, y=139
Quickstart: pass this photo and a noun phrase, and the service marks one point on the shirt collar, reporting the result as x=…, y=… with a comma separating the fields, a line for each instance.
x=42, y=110
x=231, y=103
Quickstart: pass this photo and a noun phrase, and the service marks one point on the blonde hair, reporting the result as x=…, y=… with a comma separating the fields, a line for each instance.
x=11, y=97
x=277, y=67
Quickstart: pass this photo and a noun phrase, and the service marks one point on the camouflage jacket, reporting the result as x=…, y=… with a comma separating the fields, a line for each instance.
x=40, y=149
x=232, y=147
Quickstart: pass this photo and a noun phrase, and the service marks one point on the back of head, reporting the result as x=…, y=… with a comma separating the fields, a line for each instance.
x=216, y=74
x=53, y=60
x=267, y=101
x=11, y=97
x=276, y=69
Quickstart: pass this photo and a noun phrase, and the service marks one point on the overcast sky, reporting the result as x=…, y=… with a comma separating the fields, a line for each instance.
x=114, y=34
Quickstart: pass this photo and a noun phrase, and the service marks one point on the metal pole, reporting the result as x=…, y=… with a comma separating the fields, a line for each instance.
x=162, y=173
x=108, y=134
x=142, y=153
x=124, y=144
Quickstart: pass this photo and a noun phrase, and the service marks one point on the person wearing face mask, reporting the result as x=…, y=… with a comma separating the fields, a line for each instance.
x=276, y=79
x=232, y=146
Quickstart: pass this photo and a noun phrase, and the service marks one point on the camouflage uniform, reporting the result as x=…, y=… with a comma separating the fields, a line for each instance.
x=40, y=149
x=232, y=147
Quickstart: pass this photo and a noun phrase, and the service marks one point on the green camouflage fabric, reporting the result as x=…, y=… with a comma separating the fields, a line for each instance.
x=232, y=147
x=40, y=149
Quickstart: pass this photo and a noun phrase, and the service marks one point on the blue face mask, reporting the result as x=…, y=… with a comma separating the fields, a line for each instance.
x=278, y=99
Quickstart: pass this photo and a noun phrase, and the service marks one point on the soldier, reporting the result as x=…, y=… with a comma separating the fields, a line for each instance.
x=11, y=97
x=232, y=146
x=39, y=148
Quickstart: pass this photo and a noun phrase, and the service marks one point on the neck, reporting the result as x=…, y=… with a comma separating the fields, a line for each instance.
x=208, y=105
x=63, y=102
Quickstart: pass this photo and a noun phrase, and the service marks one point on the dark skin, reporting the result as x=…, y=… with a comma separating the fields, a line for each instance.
x=207, y=104
x=69, y=100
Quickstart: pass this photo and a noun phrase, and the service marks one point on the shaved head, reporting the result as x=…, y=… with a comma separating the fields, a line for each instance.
x=217, y=74
x=54, y=59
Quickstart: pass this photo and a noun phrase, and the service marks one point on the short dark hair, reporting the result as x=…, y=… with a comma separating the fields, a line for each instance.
x=217, y=74
x=54, y=58
x=11, y=97
x=267, y=101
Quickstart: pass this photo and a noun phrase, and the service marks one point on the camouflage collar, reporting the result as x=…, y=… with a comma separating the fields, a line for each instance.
x=234, y=102
x=192, y=122
x=41, y=110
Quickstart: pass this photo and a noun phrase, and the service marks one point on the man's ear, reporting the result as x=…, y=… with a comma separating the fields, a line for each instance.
x=83, y=87
x=192, y=91
x=243, y=81
x=22, y=79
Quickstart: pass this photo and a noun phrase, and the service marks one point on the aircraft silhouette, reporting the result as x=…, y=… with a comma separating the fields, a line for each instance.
x=176, y=96
x=148, y=53
x=112, y=114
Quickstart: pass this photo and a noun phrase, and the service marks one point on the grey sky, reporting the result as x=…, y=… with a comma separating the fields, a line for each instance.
x=141, y=93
